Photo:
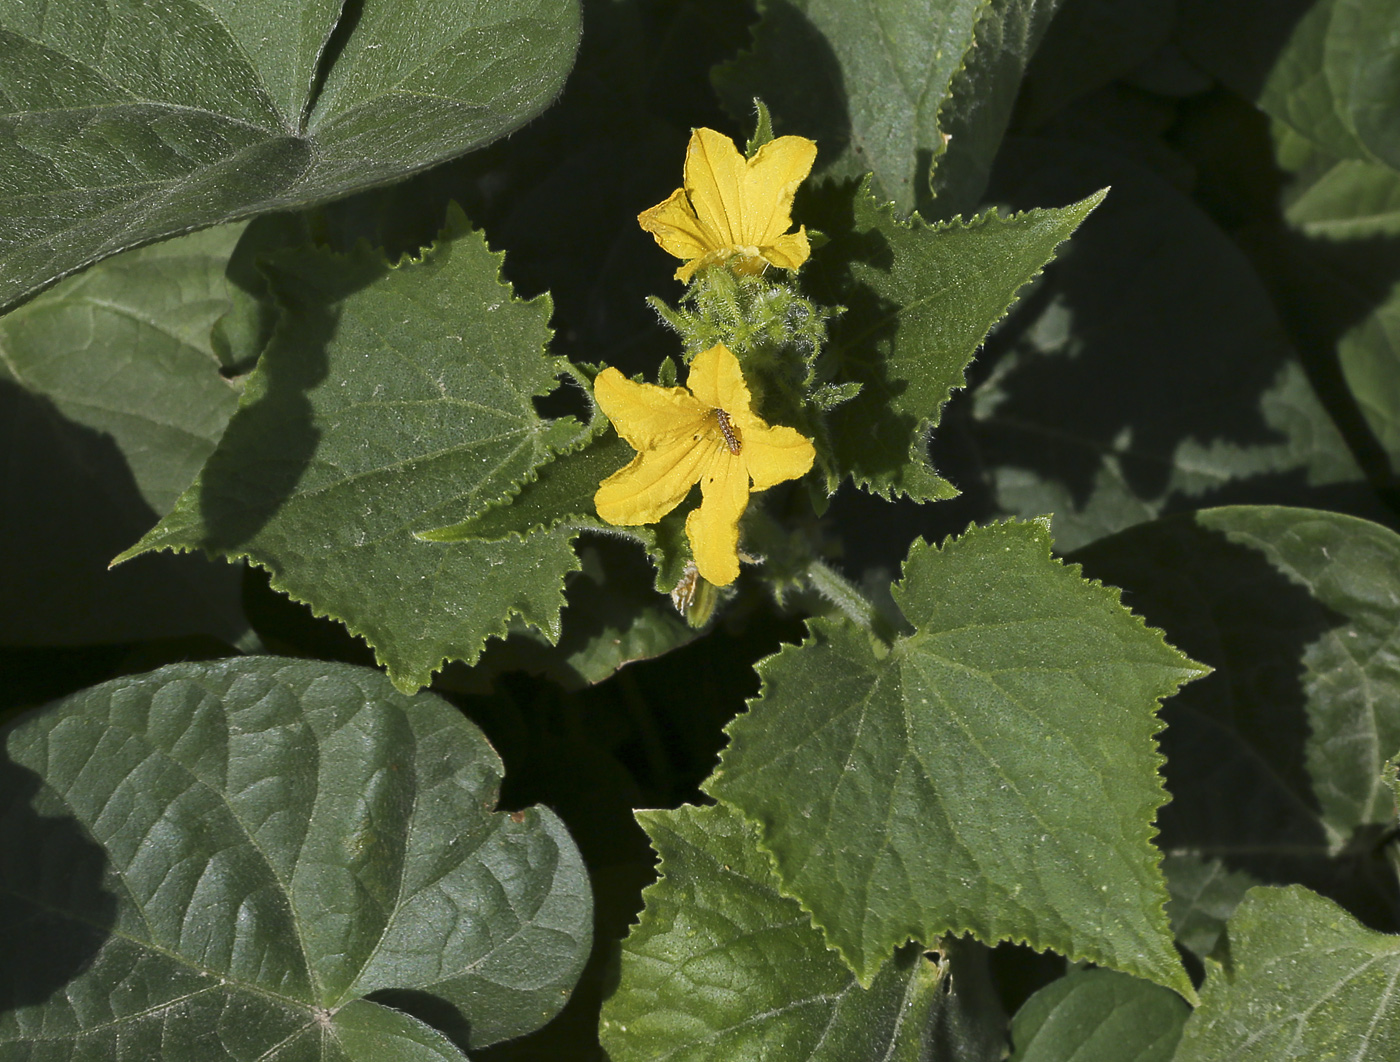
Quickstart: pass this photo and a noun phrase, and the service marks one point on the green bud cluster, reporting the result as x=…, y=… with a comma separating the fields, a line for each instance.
x=776, y=333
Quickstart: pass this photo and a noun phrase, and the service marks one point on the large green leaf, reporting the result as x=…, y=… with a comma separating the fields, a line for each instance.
x=915, y=92
x=973, y=120
x=1306, y=981
x=723, y=967
x=919, y=301
x=865, y=81
x=1329, y=69
x=1147, y=371
x=1276, y=762
x=994, y=772
x=111, y=398
x=125, y=122
x=220, y=861
x=1099, y=1016
x=391, y=400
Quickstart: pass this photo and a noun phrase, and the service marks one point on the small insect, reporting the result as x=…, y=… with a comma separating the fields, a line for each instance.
x=694, y=598
x=731, y=438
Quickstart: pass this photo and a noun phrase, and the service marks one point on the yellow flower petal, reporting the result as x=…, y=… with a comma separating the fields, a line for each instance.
x=717, y=381
x=675, y=227
x=772, y=178
x=790, y=251
x=653, y=484
x=713, y=528
x=773, y=455
x=714, y=179
x=646, y=415
x=684, y=436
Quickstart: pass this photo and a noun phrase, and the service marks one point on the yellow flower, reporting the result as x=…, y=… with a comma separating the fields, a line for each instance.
x=708, y=434
x=733, y=209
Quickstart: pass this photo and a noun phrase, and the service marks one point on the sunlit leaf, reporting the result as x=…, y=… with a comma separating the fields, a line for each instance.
x=1307, y=981
x=392, y=400
x=993, y=773
x=122, y=124
x=724, y=967
x=221, y=861
x=919, y=301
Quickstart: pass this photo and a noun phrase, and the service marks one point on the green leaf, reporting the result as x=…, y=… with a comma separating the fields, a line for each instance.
x=614, y=617
x=722, y=966
x=1147, y=371
x=1330, y=70
x=919, y=301
x=561, y=493
x=1276, y=762
x=1204, y=895
x=1089, y=44
x=1350, y=199
x=1099, y=1016
x=111, y=398
x=993, y=773
x=390, y=401
x=866, y=83
x=973, y=119
x=1308, y=981
x=121, y=127
x=1370, y=355
x=222, y=856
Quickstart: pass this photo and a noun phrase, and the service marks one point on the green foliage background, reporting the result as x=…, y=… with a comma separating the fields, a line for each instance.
x=1061, y=719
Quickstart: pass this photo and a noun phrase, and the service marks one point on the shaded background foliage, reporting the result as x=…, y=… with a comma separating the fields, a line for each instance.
x=1187, y=350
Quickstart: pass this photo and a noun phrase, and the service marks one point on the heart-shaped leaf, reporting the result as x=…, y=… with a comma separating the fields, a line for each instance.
x=124, y=123
x=220, y=861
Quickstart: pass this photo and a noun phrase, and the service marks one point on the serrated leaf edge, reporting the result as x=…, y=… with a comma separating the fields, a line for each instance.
x=923, y=428
x=815, y=628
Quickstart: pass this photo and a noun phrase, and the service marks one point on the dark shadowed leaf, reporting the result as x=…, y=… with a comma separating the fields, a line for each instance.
x=1099, y=1016
x=1276, y=762
x=111, y=398
x=1329, y=69
x=864, y=81
x=973, y=119
x=1147, y=371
